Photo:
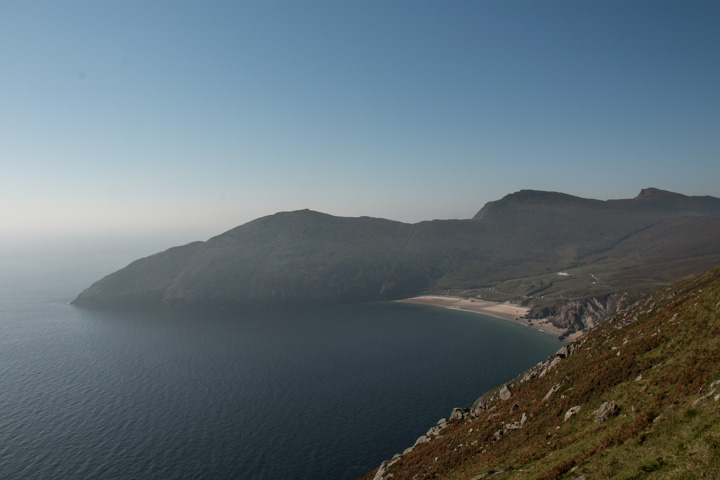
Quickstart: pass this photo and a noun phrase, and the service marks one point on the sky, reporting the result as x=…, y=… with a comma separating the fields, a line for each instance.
x=178, y=120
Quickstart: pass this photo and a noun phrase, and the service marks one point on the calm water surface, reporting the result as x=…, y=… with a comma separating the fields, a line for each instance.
x=324, y=393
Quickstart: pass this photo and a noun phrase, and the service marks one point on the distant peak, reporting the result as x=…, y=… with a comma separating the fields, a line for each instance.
x=652, y=192
x=538, y=195
x=662, y=200
x=525, y=198
x=304, y=211
x=304, y=215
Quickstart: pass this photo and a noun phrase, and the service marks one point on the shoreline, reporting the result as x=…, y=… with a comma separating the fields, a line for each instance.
x=504, y=311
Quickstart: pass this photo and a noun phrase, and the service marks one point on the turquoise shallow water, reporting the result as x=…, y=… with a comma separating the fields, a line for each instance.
x=324, y=393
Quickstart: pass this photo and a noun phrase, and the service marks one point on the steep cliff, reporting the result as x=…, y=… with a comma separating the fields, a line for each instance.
x=578, y=315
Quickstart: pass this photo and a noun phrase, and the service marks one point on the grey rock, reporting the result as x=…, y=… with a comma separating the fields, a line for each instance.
x=442, y=423
x=563, y=352
x=505, y=393
x=512, y=426
x=580, y=315
x=477, y=408
x=572, y=411
x=380, y=474
x=605, y=411
x=390, y=463
x=433, y=431
x=552, y=390
x=459, y=414
x=554, y=363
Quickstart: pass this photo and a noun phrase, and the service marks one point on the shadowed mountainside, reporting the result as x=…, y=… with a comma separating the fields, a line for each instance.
x=637, y=397
x=511, y=250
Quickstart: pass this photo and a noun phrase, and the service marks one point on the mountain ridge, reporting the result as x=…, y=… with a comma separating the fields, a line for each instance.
x=509, y=251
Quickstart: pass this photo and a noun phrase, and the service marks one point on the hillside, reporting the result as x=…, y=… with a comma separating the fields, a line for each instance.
x=636, y=397
x=511, y=250
x=301, y=257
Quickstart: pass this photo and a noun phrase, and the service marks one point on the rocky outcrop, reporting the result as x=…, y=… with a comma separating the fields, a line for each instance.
x=459, y=414
x=572, y=411
x=578, y=315
x=505, y=393
x=605, y=411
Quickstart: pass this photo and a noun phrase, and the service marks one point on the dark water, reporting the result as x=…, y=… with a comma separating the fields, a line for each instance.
x=309, y=394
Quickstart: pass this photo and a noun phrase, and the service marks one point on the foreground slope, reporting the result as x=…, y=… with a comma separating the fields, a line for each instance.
x=511, y=250
x=637, y=397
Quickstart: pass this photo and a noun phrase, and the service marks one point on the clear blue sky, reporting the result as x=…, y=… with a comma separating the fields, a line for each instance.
x=186, y=118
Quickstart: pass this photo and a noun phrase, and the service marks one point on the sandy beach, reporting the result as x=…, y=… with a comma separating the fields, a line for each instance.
x=505, y=311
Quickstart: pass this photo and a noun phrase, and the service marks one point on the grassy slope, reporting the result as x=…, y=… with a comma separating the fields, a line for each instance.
x=656, y=360
x=289, y=256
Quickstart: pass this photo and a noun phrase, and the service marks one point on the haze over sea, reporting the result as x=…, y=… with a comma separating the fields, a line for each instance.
x=324, y=393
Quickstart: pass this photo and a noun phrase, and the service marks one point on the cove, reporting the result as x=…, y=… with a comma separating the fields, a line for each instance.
x=315, y=393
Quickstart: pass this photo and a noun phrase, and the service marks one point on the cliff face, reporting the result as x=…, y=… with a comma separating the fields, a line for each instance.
x=637, y=397
x=578, y=315
x=514, y=246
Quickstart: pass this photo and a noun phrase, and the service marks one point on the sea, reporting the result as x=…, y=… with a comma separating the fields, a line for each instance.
x=312, y=393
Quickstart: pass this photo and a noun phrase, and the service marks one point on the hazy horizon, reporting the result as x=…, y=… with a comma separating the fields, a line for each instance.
x=160, y=123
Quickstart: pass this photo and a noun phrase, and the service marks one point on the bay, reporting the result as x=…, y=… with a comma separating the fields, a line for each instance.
x=314, y=393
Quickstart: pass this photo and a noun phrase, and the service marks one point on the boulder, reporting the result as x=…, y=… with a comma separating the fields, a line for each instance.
x=552, y=390
x=572, y=411
x=605, y=411
x=459, y=414
x=505, y=393
x=478, y=407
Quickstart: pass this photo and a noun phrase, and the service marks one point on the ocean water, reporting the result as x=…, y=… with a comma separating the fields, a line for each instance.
x=323, y=393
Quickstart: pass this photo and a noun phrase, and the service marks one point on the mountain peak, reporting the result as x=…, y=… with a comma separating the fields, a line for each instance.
x=654, y=193
x=523, y=199
x=539, y=196
x=663, y=200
